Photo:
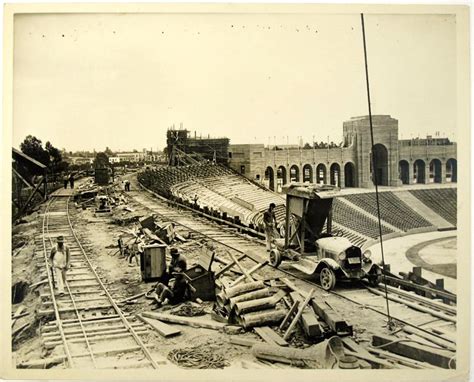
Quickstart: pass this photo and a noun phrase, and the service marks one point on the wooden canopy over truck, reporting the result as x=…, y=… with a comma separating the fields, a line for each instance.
x=309, y=242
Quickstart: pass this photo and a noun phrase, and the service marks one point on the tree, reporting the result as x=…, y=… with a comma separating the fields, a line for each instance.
x=33, y=147
x=108, y=151
x=101, y=160
x=307, y=146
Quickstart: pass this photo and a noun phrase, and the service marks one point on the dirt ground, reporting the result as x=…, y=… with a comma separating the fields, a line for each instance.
x=99, y=235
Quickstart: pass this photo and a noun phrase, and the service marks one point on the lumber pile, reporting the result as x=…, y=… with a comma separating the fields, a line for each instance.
x=250, y=304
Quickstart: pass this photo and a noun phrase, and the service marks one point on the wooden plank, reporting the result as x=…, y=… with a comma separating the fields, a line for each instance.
x=290, y=313
x=134, y=297
x=298, y=314
x=243, y=270
x=228, y=265
x=445, y=343
x=441, y=293
x=17, y=313
x=250, y=271
x=400, y=360
x=437, y=357
x=362, y=353
x=309, y=320
x=270, y=336
x=195, y=322
x=415, y=306
x=424, y=300
x=236, y=340
x=163, y=329
x=325, y=312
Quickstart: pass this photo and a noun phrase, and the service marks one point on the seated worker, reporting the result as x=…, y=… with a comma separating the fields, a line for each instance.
x=177, y=261
x=177, y=291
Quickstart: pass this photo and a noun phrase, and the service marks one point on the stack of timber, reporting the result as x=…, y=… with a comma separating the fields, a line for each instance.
x=250, y=304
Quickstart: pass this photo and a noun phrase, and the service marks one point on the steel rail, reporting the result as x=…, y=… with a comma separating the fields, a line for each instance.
x=279, y=269
x=51, y=287
x=89, y=347
x=110, y=298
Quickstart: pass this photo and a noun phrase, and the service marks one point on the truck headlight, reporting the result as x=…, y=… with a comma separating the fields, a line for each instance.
x=341, y=256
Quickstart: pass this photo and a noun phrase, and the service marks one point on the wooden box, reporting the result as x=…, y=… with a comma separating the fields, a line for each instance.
x=153, y=261
x=202, y=278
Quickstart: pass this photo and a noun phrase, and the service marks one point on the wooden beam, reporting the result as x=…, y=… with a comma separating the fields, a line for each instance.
x=162, y=328
x=443, y=294
x=190, y=321
x=22, y=179
x=270, y=336
x=227, y=267
x=418, y=307
x=407, y=348
x=298, y=314
x=250, y=271
x=290, y=313
x=236, y=340
x=244, y=271
x=30, y=197
x=325, y=312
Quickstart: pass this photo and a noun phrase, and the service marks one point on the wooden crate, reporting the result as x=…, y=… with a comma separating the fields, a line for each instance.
x=202, y=278
x=153, y=261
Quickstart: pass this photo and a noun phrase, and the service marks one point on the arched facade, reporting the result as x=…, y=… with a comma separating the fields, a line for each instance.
x=452, y=170
x=349, y=175
x=308, y=173
x=404, y=171
x=321, y=174
x=380, y=162
x=394, y=158
x=335, y=174
x=294, y=173
x=270, y=178
x=281, y=178
x=435, y=171
x=419, y=171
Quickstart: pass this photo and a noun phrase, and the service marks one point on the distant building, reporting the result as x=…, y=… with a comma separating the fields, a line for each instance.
x=182, y=148
x=80, y=160
x=429, y=160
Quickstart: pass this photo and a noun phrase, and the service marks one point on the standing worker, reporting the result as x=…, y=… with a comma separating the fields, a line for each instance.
x=60, y=262
x=71, y=180
x=66, y=179
x=137, y=250
x=270, y=222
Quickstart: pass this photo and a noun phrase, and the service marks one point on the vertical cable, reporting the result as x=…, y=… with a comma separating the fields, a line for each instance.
x=374, y=172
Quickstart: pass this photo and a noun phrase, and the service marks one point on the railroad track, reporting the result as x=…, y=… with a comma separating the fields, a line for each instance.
x=88, y=329
x=407, y=308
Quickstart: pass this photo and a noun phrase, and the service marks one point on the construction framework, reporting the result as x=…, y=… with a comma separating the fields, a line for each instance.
x=29, y=178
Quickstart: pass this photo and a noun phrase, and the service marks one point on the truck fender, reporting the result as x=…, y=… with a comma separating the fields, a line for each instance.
x=368, y=267
x=329, y=263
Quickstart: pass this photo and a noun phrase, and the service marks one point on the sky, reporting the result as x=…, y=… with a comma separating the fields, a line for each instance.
x=90, y=81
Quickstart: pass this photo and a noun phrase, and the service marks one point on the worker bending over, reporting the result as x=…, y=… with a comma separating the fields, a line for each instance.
x=270, y=222
x=60, y=262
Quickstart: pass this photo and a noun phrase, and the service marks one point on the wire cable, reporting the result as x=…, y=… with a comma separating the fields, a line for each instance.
x=374, y=172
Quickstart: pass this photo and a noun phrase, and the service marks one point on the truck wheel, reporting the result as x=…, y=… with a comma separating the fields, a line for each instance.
x=374, y=277
x=327, y=278
x=275, y=257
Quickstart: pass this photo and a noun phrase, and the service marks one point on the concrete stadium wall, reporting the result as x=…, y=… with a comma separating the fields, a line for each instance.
x=397, y=162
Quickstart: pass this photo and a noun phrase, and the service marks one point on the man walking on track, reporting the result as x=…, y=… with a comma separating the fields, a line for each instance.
x=60, y=261
x=269, y=220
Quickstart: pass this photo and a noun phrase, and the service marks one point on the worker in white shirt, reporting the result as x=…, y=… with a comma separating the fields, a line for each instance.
x=60, y=261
